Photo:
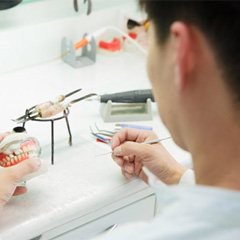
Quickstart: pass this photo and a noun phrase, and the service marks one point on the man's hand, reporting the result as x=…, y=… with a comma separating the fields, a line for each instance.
x=10, y=177
x=131, y=156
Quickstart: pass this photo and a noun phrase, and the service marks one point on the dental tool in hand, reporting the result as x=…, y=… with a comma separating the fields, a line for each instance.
x=151, y=142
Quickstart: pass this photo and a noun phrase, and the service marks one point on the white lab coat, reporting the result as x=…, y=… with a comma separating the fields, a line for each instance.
x=187, y=212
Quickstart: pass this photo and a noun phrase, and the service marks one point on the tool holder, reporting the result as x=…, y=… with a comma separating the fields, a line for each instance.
x=69, y=54
x=126, y=112
x=52, y=121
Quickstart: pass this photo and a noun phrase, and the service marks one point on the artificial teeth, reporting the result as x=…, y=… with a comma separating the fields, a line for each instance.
x=25, y=149
x=17, y=152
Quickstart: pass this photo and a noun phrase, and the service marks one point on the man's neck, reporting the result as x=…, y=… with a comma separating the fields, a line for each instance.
x=217, y=160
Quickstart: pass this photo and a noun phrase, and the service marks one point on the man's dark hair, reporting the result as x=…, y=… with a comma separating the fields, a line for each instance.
x=218, y=20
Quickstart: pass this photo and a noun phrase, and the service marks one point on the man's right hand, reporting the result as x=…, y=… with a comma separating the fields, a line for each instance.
x=132, y=156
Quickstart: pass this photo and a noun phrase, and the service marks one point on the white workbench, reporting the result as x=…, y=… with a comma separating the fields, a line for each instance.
x=80, y=187
x=81, y=195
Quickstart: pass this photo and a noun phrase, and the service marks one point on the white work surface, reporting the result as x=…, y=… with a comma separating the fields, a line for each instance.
x=79, y=183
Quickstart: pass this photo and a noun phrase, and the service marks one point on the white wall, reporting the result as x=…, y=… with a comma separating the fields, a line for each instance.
x=31, y=34
x=39, y=11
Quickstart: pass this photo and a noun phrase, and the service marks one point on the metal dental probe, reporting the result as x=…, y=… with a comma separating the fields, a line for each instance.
x=150, y=142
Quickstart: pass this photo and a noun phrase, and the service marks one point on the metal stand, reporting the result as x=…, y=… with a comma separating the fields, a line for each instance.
x=52, y=120
x=88, y=56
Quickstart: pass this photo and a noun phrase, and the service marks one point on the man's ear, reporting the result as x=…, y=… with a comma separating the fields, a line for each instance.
x=184, y=52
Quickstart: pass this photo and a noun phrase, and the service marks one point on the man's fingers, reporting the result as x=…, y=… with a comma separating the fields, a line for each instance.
x=16, y=173
x=132, y=148
x=131, y=158
x=118, y=160
x=143, y=176
x=137, y=168
x=127, y=175
x=121, y=160
x=126, y=165
x=133, y=135
x=124, y=135
x=129, y=168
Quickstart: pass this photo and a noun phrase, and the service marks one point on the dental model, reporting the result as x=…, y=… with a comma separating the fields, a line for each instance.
x=17, y=146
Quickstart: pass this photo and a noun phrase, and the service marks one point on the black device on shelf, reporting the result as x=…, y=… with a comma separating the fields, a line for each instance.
x=6, y=4
x=135, y=96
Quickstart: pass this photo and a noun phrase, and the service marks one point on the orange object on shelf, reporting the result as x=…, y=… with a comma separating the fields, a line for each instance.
x=113, y=46
x=132, y=35
x=84, y=42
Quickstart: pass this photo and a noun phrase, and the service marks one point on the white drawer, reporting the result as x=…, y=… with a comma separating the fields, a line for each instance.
x=140, y=210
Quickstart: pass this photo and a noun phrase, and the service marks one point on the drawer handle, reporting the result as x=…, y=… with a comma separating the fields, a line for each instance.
x=110, y=229
x=37, y=238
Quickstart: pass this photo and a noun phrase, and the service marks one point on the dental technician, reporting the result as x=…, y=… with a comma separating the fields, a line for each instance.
x=194, y=68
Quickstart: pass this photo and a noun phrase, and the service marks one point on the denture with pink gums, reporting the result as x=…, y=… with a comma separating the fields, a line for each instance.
x=16, y=147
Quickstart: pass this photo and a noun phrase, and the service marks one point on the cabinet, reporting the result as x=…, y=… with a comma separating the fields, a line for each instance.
x=102, y=220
